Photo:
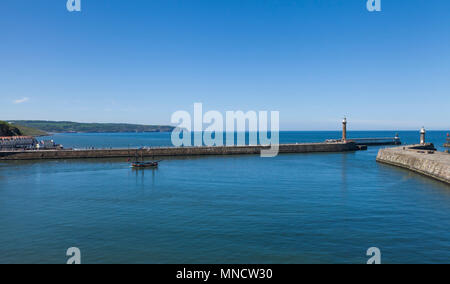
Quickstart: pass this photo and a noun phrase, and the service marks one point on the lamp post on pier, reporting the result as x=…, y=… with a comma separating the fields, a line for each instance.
x=344, y=130
x=423, y=136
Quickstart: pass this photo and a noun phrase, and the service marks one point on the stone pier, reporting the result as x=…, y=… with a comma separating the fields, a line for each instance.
x=157, y=152
x=423, y=159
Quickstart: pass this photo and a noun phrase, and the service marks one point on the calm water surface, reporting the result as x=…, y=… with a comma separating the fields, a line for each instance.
x=319, y=208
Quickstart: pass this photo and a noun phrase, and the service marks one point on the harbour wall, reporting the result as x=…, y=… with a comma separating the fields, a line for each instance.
x=176, y=151
x=420, y=159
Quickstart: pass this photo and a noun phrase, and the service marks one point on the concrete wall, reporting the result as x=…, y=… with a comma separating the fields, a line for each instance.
x=175, y=151
x=430, y=163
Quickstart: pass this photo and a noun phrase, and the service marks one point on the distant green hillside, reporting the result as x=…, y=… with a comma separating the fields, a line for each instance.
x=73, y=127
x=8, y=129
x=30, y=131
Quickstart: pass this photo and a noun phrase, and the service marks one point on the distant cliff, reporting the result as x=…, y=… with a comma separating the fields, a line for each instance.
x=11, y=129
x=74, y=127
x=8, y=130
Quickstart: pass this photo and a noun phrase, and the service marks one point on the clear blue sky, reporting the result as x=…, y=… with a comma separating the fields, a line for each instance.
x=313, y=60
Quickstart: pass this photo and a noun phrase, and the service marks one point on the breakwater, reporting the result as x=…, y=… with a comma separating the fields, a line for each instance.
x=377, y=141
x=176, y=151
x=423, y=159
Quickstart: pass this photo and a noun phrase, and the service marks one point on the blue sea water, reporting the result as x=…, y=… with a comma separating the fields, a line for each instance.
x=295, y=208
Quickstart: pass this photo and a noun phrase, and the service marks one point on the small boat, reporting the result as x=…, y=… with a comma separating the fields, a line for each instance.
x=142, y=164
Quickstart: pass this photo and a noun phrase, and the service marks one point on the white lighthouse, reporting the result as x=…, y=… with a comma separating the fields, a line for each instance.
x=422, y=136
x=344, y=130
